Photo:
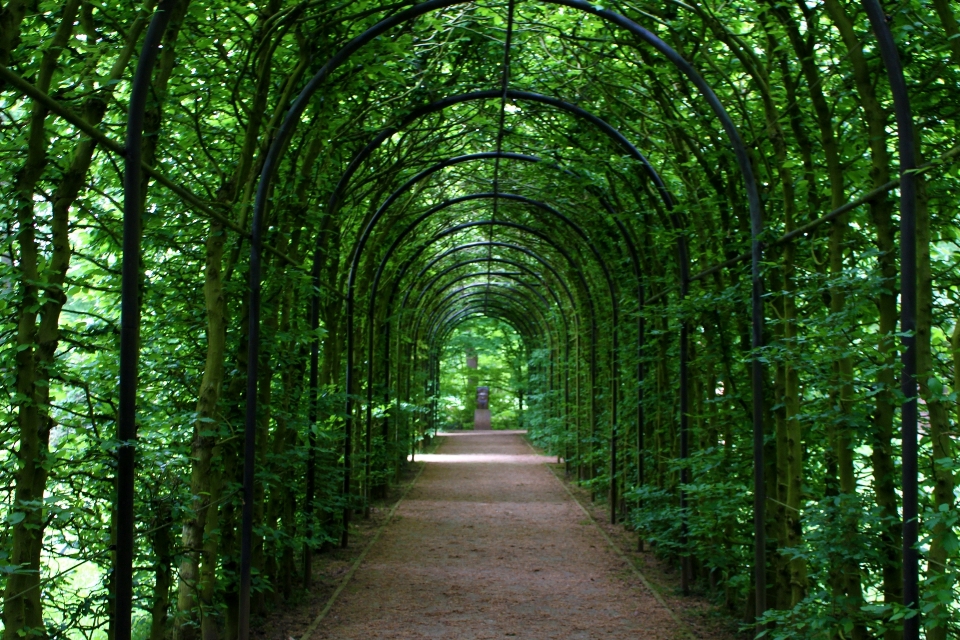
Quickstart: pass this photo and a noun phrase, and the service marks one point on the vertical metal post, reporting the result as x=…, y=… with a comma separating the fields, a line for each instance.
x=684, y=415
x=756, y=378
x=641, y=444
x=615, y=400
x=908, y=312
x=250, y=425
x=684, y=455
x=313, y=400
x=130, y=323
x=348, y=420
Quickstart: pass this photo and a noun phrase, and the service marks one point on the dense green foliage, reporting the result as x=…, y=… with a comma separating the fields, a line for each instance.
x=501, y=366
x=804, y=85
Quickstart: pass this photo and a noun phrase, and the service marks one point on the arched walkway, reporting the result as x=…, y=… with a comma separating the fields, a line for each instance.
x=720, y=236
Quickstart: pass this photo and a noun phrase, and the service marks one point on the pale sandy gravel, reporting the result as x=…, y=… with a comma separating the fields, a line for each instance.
x=488, y=544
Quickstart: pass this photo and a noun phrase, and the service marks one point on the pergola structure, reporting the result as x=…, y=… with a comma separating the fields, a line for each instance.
x=294, y=118
x=570, y=273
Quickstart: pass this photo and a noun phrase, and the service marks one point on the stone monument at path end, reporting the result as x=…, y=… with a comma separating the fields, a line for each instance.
x=481, y=416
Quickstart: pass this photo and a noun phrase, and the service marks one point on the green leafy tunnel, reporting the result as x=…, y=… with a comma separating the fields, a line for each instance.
x=689, y=227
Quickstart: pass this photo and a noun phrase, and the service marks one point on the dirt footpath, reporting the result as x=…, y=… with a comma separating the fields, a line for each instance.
x=488, y=544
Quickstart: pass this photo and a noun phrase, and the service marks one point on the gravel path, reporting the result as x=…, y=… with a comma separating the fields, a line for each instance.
x=488, y=544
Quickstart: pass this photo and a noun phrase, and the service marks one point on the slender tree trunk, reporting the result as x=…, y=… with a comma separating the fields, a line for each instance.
x=938, y=581
x=205, y=429
x=884, y=469
x=36, y=345
x=162, y=549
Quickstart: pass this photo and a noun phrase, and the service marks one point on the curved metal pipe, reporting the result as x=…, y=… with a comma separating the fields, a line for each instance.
x=130, y=322
x=496, y=295
x=505, y=245
x=370, y=358
x=908, y=313
x=488, y=308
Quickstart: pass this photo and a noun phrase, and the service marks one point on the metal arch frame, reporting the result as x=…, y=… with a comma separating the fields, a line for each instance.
x=518, y=265
x=130, y=322
x=463, y=314
x=467, y=294
x=470, y=245
x=503, y=274
x=369, y=417
x=540, y=259
x=614, y=299
x=557, y=247
x=558, y=306
x=443, y=325
x=516, y=320
x=617, y=137
x=513, y=247
x=571, y=262
x=436, y=305
x=361, y=242
x=535, y=255
x=375, y=286
x=611, y=132
x=129, y=351
x=585, y=288
x=620, y=139
x=908, y=313
x=496, y=295
x=681, y=252
x=466, y=198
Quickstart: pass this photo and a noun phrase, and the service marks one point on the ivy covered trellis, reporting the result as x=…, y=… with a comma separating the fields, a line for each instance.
x=354, y=181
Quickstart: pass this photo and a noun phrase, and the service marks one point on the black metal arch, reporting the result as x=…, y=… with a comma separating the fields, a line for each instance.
x=614, y=301
x=513, y=263
x=439, y=303
x=457, y=295
x=386, y=325
x=502, y=274
x=621, y=140
x=492, y=297
x=450, y=252
x=489, y=308
x=489, y=243
x=569, y=259
x=438, y=319
x=532, y=254
x=443, y=324
x=541, y=260
x=449, y=322
x=129, y=352
x=497, y=295
x=448, y=203
x=445, y=233
x=488, y=293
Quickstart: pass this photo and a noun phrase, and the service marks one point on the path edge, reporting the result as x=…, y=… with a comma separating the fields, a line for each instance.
x=356, y=563
x=683, y=627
